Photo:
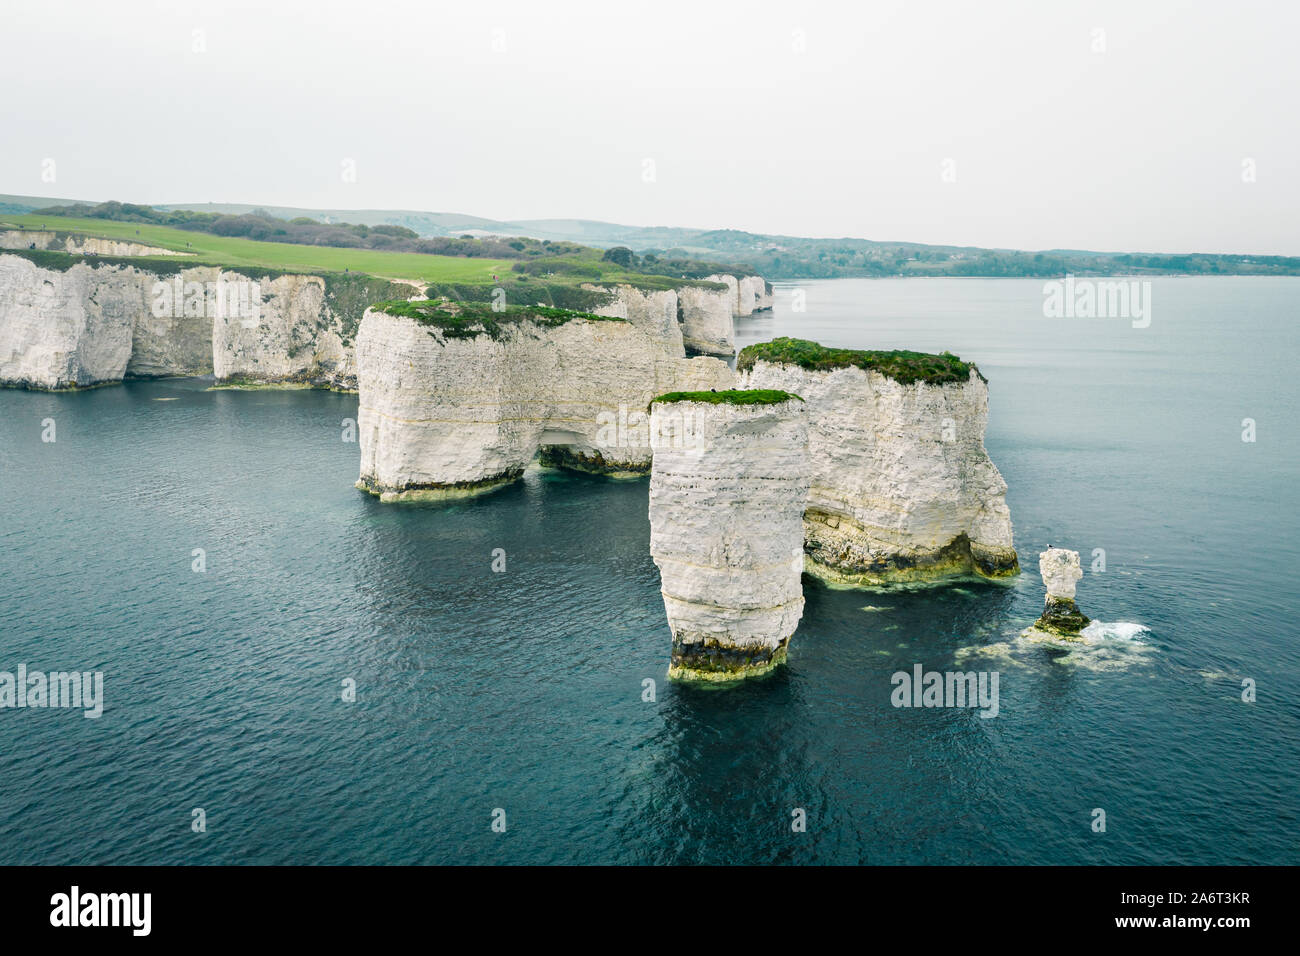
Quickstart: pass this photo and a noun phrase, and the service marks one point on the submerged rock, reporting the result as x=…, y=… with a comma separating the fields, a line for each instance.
x=902, y=487
x=1061, y=618
x=727, y=489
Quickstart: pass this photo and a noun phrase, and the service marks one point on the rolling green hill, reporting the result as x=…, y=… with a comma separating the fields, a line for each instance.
x=773, y=256
x=546, y=280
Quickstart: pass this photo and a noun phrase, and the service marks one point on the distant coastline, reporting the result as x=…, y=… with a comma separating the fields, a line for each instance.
x=776, y=257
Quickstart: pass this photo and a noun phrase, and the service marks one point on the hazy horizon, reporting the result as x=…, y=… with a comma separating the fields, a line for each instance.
x=1005, y=127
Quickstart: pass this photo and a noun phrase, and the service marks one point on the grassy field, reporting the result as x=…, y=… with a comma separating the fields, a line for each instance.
x=226, y=251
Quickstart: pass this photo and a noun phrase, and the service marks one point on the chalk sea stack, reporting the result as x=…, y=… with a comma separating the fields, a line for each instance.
x=1061, y=618
x=727, y=490
x=902, y=487
x=707, y=318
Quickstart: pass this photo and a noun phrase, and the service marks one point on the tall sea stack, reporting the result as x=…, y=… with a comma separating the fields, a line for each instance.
x=728, y=484
x=1061, y=618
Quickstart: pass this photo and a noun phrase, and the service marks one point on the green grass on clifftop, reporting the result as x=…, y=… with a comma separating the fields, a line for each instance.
x=467, y=320
x=730, y=396
x=899, y=364
x=203, y=248
x=458, y=276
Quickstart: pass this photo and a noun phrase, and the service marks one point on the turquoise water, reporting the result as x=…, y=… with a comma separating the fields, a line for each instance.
x=522, y=690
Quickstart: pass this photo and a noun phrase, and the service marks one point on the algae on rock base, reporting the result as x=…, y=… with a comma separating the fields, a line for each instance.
x=726, y=531
x=711, y=662
x=829, y=560
x=1062, y=618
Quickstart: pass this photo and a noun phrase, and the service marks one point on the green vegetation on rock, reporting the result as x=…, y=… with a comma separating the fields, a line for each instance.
x=349, y=294
x=899, y=364
x=1062, y=618
x=730, y=396
x=525, y=291
x=467, y=320
x=710, y=661
x=58, y=261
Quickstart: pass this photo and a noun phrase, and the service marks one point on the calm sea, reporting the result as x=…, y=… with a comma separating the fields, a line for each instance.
x=524, y=690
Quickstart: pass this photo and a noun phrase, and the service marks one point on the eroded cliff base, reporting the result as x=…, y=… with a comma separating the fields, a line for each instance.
x=316, y=378
x=840, y=552
x=710, y=659
x=568, y=459
x=1061, y=621
x=33, y=385
x=439, y=492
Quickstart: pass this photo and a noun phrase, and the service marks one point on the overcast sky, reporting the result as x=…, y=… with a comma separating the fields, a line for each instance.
x=993, y=124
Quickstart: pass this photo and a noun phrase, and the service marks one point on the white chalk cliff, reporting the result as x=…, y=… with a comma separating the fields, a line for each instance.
x=707, y=319
x=902, y=487
x=295, y=337
x=727, y=488
x=749, y=294
x=63, y=321
x=74, y=323
x=653, y=312
x=170, y=341
x=65, y=329
x=453, y=408
x=733, y=289
x=80, y=245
